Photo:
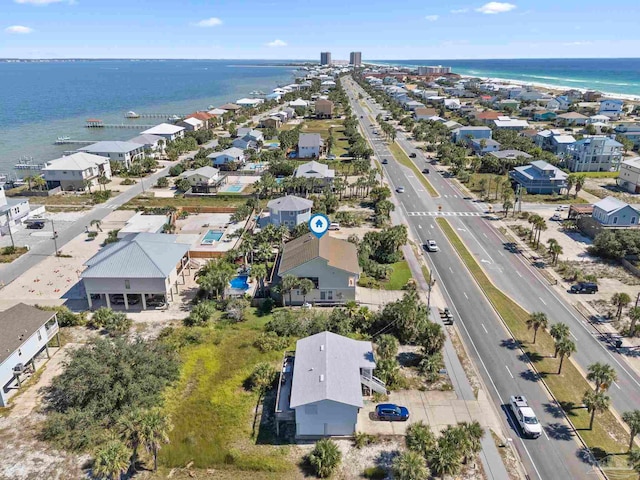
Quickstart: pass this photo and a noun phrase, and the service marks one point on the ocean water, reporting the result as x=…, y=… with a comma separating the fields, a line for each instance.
x=40, y=102
x=610, y=75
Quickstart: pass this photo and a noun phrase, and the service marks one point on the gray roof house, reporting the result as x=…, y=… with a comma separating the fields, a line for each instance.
x=232, y=154
x=76, y=171
x=289, y=211
x=26, y=333
x=253, y=134
x=138, y=267
x=310, y=145
x=121, y=152
x=540, y=177
x=152, y=142
x=317, y=170
x=615, y=213
x=329, y=372
x=331, y=263
x=484, y=145
x=203, y=179
x=509, y=154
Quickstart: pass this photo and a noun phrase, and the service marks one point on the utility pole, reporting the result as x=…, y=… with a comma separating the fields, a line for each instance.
x=9, y=227
x=55, y=237
x=432, y=282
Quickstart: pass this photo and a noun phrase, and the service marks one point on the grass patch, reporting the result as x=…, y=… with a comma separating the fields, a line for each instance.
x=399, y=276
x=144, y=200
x=9, y=254
x=212, y=412
x=569, y=387
x=600, y=174
x=474, y=185
x=341, y=145
x=402, y=157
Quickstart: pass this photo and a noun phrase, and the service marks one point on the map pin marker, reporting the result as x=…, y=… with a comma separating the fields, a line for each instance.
x=318, y=224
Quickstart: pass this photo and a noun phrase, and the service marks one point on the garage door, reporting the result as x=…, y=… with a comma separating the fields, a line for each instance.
x=339, y=428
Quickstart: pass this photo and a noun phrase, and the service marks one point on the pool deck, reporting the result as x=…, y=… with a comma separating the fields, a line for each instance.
x=200, y=223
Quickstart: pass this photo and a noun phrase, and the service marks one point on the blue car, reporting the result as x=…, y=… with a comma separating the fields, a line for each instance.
x=392, y=412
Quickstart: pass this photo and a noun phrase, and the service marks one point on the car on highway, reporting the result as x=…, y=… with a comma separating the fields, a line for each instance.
x=431, y=246
x=526, y=418
x=392, y=412
x=400, y=189
x=412, y=155
x=385, y=161
x=584, y=287
x=425, y=170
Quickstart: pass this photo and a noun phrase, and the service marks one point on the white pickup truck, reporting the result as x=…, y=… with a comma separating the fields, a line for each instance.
x=525, y=417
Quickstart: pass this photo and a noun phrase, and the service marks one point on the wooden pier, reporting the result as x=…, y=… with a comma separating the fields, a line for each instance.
x=155, y=115
x=74, y=142
x=95, y=123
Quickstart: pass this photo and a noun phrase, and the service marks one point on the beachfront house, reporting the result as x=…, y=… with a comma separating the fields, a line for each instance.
x=319, y=171
x=166, y=131
x=289, y=211
x=629, y=177
x=310, y=145
x=468, y=133
x=208, y=119
x=330, y=372
x=611, y=107
x=615, y=213
x=539, y=177
x=152, y=143
x=192, y=124
x=230, y=159
x=13, y=211
x=26, y=334
x=137, y=268
x=483, y=146
x=76, y=172
x=249, y=102
x=594, y=154
x=323, y=108
x=124, y=153
x=330, y=263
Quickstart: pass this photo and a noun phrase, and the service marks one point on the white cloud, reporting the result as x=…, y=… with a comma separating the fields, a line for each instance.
x=209, y=22
x=495, y=7
x=459, y=10
x=19, y=29
x=432, y=18
x=277, y=43
x=41, y=2
x=575, y=44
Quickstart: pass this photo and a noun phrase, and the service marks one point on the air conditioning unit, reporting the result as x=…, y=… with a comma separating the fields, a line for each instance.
x=19, y=368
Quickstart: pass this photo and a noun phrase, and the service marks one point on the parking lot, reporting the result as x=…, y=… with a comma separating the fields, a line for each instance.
x=32, y=237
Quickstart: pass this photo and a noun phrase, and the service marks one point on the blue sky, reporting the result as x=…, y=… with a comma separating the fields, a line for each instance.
x=251, y=29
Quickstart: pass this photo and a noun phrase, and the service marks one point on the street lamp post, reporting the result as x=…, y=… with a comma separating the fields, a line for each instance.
x=55, y=237
x=432, y=282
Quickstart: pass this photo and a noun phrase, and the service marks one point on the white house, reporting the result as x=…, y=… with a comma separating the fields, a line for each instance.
x=317, y=170
x=452, y=103
x=250, y=133
x=202, y=176
x=615, y=213
x=598, y=119
x=329, y=372
x=12, y=211
x=141, y=266
x=225, y=157
x=76, y=171
x=309, y=145
x=508, y=123
x=249, y=102
x=192, y=124
x=629, y=177
x=611, y=107
x=289, y=211
x=155, y=143
x=571, y=119
x=594, y=154
x=122, y=152
x=299, y=103
x=26, y=333
x=166, y=131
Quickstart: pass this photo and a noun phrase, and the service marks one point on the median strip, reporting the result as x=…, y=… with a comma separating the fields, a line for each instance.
x=402, y=157
x=568, y=388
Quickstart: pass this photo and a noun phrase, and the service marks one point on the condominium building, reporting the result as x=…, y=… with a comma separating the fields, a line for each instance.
x=434, y=70
x=355, y=59
x=594, y=154
x=325, y=58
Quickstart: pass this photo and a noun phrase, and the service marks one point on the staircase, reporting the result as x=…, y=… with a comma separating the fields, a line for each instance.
x=374, y=384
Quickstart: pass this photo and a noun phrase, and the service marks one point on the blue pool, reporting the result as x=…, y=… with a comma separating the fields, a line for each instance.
x=240, y=282
x=234, y=188
x=211, y=236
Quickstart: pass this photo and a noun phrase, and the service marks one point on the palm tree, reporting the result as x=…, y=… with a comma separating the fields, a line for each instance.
x=633, y=420
x=306, y=286
x=155, y=431
x=39, y=182
x=506, y=205
x=595, y=402
x=28, y=179
x=602, y=375
x=533, y=220
x=633, y=460
x=325, y=457
x=620, y=300
x=410, y=466
x=97, y=223
x=473, y=432
x=535, y=321
x=634, y=315
x=259, y=272
x=289, y=282
x=555, y=249
x=419, y=438
x=129, y=427
x=559, y=331
x=444, y=459
x=540, y=225
x=571, y=181
x=565, y=348
x=88, y=184
x=103, y=180
x=580, y=179
x=111, y=461
x=387, y=346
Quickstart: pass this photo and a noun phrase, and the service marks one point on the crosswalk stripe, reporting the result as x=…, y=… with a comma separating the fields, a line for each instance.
x=445, y=214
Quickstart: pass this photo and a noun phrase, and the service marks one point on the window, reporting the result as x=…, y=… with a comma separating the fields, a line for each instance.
x=311, y=409
x=127, y=284
x=615, y=220
x=39, y=335
x=633, y=220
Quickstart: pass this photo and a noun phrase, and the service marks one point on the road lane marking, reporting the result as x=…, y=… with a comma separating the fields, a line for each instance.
x=450, y=270
x=542, y=300
x=616, y=384
x=571, y=333
x=465, y=295
x=485, y=235
x=431, y=225
x=509, y=372
x=419, y=226
x=485, y=329
x=545, y=433
x=519, y=274
x=501, y=254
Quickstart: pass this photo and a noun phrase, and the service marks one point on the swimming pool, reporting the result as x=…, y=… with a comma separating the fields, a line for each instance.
x=234, y=188
x=240, y=282
x=211, y=236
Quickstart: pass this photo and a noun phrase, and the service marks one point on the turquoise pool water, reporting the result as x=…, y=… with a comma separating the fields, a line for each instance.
x=234, y=188
x=211, y=236
x=240, y=282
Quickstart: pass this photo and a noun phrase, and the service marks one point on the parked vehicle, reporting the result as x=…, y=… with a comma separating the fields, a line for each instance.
x=400, y=189
x=584, y=287
x=334, y=226
x=446, y=316
x=118, y=299
x=412, y=155
x=431, y=246
x=385, y=161
x=556, y=217
x=35, y=225
x=525, y=416
x=392, y=412
x=425, y=171
x=562, y=208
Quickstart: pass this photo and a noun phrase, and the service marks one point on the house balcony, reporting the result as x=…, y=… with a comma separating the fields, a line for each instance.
x=51, y=327
x=283, y=411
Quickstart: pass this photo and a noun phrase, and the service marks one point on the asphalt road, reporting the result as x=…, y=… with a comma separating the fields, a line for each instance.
x=556, y=454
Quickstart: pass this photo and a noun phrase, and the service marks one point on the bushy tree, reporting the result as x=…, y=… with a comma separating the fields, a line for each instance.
x=200, y=315
x=325, y=457
x=410, y=466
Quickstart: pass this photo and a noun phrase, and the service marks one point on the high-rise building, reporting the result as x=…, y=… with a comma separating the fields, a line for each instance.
x=434, y=70
x=325, y=58
x=355, y=59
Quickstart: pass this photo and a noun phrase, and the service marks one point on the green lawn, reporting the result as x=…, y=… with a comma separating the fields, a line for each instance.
x=211, y=411
x=569, y=387
x=402, y=157
x=341, y=145
x=600, y=174
x=399, y=276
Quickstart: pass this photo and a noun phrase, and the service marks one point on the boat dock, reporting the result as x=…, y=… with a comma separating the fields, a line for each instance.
x=95, y=123
x=68, y=141
x=154, y=115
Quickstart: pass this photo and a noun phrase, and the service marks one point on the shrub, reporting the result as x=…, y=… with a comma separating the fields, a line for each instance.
x=235, y=309
x=430, y=367
x=10, y=250
x=162, y=182
x=363, y=439
x=200, y=315
x=267, y=306
x=128, y=181
x=101, y=196
x=420, y=438
x=115, y=323
x=66, y=318
x=176, y=170
x=92, y=235
x=270, y=341
x=325, y=457
x=374, y=473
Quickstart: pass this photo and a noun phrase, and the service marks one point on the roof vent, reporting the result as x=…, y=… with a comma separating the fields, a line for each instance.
x=322, y=348
x=321, y=377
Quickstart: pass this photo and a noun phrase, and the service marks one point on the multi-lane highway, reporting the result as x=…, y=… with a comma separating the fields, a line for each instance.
x=557, y=453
